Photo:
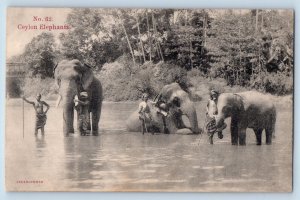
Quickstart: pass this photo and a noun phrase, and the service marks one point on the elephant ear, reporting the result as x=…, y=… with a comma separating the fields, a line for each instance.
x=86, y=75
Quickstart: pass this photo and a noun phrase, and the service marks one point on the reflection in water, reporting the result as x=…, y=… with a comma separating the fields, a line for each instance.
x=40, y=144
x=117, y=160
x=80, y=154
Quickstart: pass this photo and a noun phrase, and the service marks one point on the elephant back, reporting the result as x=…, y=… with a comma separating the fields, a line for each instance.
x=260, y=100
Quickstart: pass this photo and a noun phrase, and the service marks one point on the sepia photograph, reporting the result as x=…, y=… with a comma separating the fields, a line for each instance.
x=149, y=100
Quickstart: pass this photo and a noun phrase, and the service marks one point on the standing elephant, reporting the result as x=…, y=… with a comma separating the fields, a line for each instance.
x=73, y=77
x=177, y=103
x=247, y=110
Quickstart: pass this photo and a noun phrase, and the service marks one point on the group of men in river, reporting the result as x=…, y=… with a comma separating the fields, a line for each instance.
x=82, y=107
x=210, y=122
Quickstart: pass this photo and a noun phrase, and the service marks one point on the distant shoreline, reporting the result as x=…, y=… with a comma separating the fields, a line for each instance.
x=18, y=101
x=286, y=100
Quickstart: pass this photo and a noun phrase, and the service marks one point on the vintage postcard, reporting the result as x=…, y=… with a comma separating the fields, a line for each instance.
x=149, y=100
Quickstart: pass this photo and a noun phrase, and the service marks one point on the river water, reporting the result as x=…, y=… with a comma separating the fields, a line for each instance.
x=118, y=160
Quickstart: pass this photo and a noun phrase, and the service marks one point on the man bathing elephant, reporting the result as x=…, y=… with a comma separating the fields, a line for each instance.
x=249, y=109
x=210, y=121
x=177, y=103
x=145, y=114
x=73, y=77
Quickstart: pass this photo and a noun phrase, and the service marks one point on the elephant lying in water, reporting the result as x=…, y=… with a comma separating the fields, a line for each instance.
x=72, y=77
x=247, y=110
x=178, y=104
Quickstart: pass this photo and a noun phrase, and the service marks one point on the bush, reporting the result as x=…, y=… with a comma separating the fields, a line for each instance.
x=115, y=78
x=194, y=73
x=33, y=86
x=13, y=86
x=122, y=80
x=278, y=84
x=274, y=83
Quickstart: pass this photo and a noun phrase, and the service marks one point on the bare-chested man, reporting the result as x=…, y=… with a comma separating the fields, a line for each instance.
x=41, y=117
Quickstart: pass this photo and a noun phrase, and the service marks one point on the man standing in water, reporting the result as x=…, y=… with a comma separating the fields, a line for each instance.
x=40, y=114
x=211, y=112
x=82, y=107
x=145, y=114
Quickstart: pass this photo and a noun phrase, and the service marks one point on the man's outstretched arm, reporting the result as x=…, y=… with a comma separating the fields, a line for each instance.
x=30, y=102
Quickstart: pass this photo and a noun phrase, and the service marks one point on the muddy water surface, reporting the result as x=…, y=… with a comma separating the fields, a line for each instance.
x=118, y=160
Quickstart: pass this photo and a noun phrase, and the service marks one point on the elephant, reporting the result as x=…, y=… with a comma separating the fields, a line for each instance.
x=72, y=77
x=177, y=104
x=248, y=109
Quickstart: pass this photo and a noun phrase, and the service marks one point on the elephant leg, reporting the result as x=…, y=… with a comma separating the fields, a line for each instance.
x=271, y=125
x=234, y=131
x=96, y=118
x=93, y=124
x=269, y=133
x=242, y=136
x=95, y=121
x=242, y=126
x=258, y=133
x=166, y=130
x=143, y=126
x=270, y=128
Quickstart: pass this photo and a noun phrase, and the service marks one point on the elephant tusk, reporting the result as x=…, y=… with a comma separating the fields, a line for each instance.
x=58, y=100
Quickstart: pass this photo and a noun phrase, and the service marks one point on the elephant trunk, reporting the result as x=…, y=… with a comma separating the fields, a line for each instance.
x=67, y=96
x=68, y=118
x=219, y=120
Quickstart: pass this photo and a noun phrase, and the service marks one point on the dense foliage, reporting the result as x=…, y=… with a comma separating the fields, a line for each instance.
x=132, y=81
x=143, y=49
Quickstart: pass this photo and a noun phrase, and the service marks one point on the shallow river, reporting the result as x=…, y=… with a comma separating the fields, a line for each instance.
x=118, y=160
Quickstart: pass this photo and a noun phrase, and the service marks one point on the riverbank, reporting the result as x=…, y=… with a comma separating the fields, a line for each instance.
x=279, y=101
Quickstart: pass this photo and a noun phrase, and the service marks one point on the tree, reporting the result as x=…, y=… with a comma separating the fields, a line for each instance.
x=186, y=39
x=92, y=37
x=39, y=55
x=241, y=44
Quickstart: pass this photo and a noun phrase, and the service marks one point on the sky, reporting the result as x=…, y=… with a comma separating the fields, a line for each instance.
x=17, y=38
